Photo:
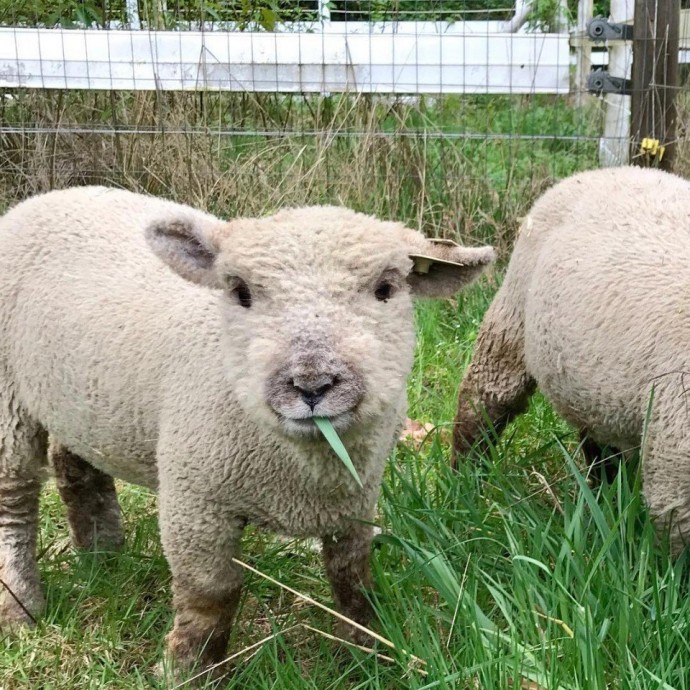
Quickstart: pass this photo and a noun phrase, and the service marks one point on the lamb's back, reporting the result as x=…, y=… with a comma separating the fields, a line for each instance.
x=607, y=296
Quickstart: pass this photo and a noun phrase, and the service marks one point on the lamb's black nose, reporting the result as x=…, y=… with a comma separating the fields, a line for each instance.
x=312, y=396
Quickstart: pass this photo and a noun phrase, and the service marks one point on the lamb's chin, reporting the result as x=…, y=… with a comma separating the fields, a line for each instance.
x=306, y=427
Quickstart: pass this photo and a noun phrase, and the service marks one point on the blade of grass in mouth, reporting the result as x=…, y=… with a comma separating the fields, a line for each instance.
x=331, y=435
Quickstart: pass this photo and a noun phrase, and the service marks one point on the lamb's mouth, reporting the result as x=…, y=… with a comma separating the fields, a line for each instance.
x=305, y=426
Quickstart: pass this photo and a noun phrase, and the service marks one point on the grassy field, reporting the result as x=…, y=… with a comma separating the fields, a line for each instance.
x=511, y=573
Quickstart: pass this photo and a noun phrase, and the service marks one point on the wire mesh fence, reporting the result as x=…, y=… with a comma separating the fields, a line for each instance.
x=451, y=115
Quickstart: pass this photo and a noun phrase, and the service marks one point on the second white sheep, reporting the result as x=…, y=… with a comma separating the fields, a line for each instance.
x=595, y=311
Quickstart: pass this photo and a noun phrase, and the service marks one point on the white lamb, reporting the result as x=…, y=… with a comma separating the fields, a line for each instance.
x=204, y=389
x=595, y=311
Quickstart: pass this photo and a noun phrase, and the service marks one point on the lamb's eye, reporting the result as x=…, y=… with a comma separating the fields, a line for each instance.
x=243, y=295
x=384, y=291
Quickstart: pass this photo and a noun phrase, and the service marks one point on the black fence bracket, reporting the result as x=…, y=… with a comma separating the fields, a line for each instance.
x=601, y=29
x=600, y=82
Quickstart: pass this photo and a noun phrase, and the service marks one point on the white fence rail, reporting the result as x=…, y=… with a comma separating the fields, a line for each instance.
x=391, y=62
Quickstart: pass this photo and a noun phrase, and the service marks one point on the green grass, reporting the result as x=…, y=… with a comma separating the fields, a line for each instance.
x=511, y=573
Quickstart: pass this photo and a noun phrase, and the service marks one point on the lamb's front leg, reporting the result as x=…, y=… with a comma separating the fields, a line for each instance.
x=347, y=558
x=22, y=455
x=200, y=541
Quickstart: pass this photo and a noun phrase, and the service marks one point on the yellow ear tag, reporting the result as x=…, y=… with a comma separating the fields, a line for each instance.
x=421, y=264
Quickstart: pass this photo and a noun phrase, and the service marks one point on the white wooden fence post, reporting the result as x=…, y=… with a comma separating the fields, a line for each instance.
x=522, y=12
x=614, y=146
x=132, y=9
x=324, y=11
x=561, y=19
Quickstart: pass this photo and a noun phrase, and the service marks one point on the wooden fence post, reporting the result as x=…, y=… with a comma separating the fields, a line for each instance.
x=655, y=82
x=583, y=51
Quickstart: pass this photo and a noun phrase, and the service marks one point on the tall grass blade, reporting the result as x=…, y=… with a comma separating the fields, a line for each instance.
x=331, y=435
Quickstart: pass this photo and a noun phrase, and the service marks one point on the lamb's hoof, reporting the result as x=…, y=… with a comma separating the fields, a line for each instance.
x=14, y=617
x=353, y=635
x=172, y=675
x=107, y=541
x=20, y=606
x=191, y=658
x=167, y=673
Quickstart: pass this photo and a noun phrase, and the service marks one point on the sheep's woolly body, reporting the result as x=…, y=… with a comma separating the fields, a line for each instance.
x=595, y=309
x=185, y=389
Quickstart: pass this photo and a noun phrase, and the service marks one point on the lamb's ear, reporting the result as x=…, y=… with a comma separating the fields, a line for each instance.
x=188, y=246
x=441, y=267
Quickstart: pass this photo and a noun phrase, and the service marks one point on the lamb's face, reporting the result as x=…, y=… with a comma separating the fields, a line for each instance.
x=316, y=309
x=322, y=325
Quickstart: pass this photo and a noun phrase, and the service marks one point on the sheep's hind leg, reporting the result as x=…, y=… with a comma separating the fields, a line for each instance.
x=666, y=474
x=602, y=461
x=347, y=559
x=22, y=460
x=496, y=386
x=93, y=513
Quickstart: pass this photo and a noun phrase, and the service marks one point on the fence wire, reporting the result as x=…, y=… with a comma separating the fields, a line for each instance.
x=426, y=111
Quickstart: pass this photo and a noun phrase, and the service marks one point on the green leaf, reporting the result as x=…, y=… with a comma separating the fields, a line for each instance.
x=268, y=21
x=331, y=435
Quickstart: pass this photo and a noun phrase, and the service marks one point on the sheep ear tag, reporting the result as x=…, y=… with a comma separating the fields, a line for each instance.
x=422, y=263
